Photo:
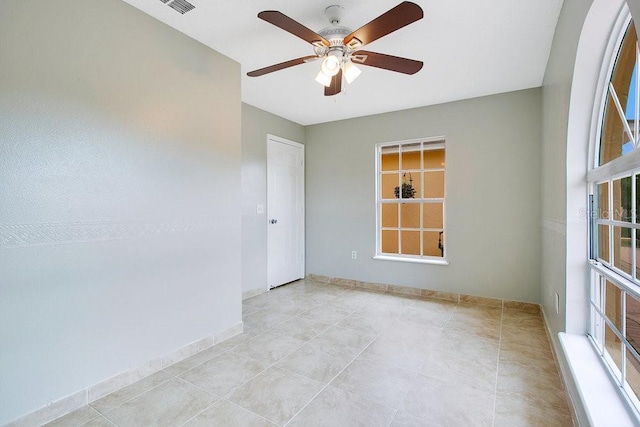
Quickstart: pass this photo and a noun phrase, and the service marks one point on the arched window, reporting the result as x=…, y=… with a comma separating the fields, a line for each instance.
x=615, y=221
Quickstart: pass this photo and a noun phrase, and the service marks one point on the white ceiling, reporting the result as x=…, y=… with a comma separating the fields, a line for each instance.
x=470, y=48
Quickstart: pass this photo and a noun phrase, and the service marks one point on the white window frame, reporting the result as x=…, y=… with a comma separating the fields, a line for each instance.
x=601, y=270
x=435, y=143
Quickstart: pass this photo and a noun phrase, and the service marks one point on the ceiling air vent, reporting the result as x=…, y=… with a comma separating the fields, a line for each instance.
x=182, y=6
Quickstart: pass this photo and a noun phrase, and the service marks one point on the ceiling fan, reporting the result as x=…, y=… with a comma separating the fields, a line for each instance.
x=339, y=47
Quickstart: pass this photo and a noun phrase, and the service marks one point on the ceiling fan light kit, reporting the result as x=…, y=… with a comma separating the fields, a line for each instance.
x=332, y=62
x=339, y=47
x=323, y=79
x=351, y=72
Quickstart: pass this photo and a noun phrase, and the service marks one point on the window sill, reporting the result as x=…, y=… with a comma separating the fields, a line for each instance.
x=602, y=400
x=412, y=260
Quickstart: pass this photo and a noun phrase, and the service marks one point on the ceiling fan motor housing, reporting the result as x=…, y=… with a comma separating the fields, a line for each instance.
x=335, y=35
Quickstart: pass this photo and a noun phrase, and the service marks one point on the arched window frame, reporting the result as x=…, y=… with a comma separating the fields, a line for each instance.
x=614, y=286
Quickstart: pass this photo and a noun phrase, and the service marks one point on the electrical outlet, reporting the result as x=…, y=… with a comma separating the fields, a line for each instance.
x=557, y=303
x=354, y=254
x=260, y=209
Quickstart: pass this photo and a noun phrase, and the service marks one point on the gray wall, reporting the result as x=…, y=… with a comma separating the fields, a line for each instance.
x=492, y=191
x=556, y=95
x=256, y=124
x=120, y=196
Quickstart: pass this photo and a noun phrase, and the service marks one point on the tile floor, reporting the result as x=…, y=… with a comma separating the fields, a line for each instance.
x=320, y=355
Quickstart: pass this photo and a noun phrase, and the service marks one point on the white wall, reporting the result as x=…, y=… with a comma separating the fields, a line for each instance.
x=119, y=197
x=493, y=196
x=256, y=124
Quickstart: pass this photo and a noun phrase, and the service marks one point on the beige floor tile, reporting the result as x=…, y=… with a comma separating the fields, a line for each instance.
x=402, y=419
x=457, y=368
x=414, y=332
x=376, y=382
x=268, y=347
x=276, y=394
x=448, y=404
x=291, y=306
x=261, y=300
x=337, y=341
x=310, y=361
x=169, y=404
x=264, y=319
x=525, y=336
x=396, y=351
x=231, y=343
x=317, y=297
x=529, y=355
x=351, y=301
x=224, y=373
x=512, y=411
x=120, y=396
x=423, y=318
x=195, y=360
x=338, y=408
x=247, y=309
x=75, y=418
x=472, y=345
x=387, y=305
x=522, y=319
x=326, y=314
x=367, y=322
x=98, y=422
x=477, y=312
x=225, y=413
x=486, y=329
x=530, y=382
x=300, y=328
x=434, y=305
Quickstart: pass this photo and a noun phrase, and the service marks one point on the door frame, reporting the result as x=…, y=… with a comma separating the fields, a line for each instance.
x=276, y=139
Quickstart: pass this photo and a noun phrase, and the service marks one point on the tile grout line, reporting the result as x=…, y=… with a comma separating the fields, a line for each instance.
x=197, y=414
x=134, y=397
x=332, y=379
x=272, y=365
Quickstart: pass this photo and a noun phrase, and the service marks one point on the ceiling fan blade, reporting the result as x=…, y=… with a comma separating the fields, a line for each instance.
x=387, y=62
x=294, y=27
x=336, y=85
x=403, y=14
x=281, y=66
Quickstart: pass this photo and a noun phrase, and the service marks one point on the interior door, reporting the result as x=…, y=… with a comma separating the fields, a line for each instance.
x=285, y=211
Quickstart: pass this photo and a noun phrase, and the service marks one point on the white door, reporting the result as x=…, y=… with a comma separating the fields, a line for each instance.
x=285, y=211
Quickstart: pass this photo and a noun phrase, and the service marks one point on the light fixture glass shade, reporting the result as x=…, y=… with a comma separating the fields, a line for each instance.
x=331, y=64
x=323, y=79
x=351, y=72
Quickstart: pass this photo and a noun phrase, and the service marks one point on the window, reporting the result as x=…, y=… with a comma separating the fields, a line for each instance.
x=615, y=224
x=410, y=189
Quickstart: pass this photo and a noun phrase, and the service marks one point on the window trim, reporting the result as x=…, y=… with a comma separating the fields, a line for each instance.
x=438, y=142
x=601, y=271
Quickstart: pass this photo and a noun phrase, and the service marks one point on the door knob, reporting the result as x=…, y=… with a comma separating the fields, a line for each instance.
x=273, y=221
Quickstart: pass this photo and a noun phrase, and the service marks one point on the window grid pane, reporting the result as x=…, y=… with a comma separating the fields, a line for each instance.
x=411, y=199
x=617, y=137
